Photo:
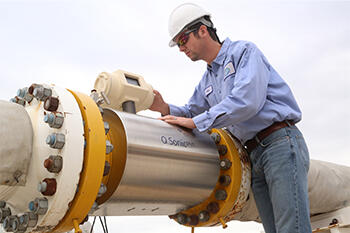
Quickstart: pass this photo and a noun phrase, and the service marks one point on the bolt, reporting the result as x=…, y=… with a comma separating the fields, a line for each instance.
x=48, y=186
x=32, y=87
x=49, y=118
x=225, y=180
x=4, y=212
x=7, y=225
x=101, y=110
x=41, y=93
x=56, y=140
x=106, y=127
x=51, y=104
x=102, y=190
x=220, y=195
x=42, y=186
x=216, y=137
x=23, y=93
x=28, y=219
x=18, y=100
x=182, y=218
x=2, y=204
x=31, y=206
x=213, y=207
x=109, y=147
x=94, y=95
x=54, y=163
x=193, y=220
x=225, y=164
x=16, y=226
x=203, y=216
x=106, y=169
x=222, y=149
x=39, y=205
x=54, y=120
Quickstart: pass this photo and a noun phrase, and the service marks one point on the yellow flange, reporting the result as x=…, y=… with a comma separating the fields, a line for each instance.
x=94, y=160
x=217, y=208
x=117, y=158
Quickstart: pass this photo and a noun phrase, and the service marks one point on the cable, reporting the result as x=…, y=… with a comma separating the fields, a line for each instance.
x=93, y=223
x=105, y=223
x=103, y=226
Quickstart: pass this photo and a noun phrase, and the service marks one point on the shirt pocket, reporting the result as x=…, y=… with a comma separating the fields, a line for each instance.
x=211, y=99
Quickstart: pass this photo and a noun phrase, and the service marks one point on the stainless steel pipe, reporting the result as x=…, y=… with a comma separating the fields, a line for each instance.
x=168, y=168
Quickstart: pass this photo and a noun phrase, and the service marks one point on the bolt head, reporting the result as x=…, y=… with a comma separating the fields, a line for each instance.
x=203, y=216
x=182, y=218
x=109, y=147
x=216, y=137
x=220, y=194
x=50, y=140
x=213, y=207
x=31, y=206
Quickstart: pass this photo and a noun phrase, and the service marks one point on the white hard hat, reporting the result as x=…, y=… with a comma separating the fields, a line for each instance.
x=182, y=16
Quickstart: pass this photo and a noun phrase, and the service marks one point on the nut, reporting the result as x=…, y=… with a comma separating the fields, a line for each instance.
x=2, y=204
x=225, y=180
x=213, y=207
x=182, y=218
x=39, y=206
x=41, y=92
x=220, y=195
x=8, y=221
x=48, y=186
x=222, y=149
x=56, y=140
x=4, y=212
x=203, y=216
x=106, y=169
x=106, y=126
x=28, y=219
x=216, y=137
x=54, y=163
x=109, y=147
x=225, y=164
x=51, y=104
x=193, y=220
x=55, y=120
x=102, y=190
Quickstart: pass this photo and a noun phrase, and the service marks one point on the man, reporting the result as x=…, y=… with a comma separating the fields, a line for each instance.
x=241, y=91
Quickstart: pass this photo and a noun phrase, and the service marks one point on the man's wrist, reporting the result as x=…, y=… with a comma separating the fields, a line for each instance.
x=166, y=110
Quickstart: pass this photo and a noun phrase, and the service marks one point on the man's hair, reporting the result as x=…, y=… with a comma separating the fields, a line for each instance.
x=211, y=29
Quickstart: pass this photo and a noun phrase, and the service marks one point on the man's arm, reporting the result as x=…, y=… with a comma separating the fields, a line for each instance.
x=247, y=96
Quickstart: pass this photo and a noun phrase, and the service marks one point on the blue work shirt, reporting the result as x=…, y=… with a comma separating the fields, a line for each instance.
x=240, y=90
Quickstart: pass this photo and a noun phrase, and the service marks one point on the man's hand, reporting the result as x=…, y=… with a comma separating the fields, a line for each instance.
x=182, y=121
x=159, y=105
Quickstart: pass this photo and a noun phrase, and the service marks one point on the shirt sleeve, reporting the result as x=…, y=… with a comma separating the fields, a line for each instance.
x=196, y=105
x=247, y=96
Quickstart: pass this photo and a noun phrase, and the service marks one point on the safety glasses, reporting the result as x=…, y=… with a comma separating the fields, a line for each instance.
x=184, y=37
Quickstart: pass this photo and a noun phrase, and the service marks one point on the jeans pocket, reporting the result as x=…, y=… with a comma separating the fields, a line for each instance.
x=277, y=141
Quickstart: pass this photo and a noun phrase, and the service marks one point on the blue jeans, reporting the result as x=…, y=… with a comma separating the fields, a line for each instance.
x=279, y=181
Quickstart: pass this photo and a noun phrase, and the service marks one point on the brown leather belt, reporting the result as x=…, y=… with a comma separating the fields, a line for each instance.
x=251, y=144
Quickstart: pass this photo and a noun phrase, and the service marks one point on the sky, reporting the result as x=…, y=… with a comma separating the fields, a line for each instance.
x=69, y=42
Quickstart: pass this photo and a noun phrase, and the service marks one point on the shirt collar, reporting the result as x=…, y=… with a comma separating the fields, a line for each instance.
x=220, y=58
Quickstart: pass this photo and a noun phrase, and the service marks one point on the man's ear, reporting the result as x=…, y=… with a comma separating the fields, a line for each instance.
x=203, y=31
